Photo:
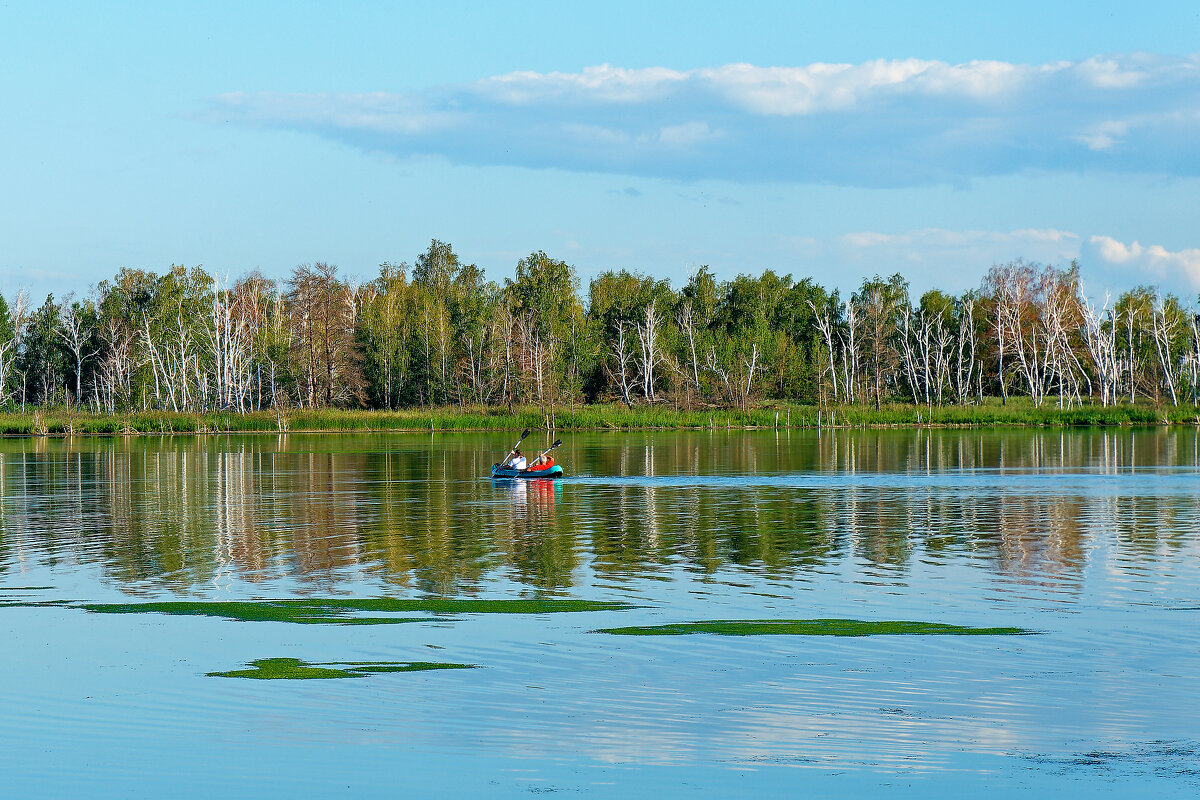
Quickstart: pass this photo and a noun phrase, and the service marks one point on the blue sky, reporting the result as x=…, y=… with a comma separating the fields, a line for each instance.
x=831, y=140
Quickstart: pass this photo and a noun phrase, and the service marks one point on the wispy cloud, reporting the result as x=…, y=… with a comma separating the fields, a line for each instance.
x=939, y=238
x=878, y=123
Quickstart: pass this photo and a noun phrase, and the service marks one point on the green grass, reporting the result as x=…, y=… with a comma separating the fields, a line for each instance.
x=341, y=611
x=292, y=669
x=811, y=627
x=1018, y=412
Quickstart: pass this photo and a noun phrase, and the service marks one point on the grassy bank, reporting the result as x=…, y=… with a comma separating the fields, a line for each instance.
x=1016, y=413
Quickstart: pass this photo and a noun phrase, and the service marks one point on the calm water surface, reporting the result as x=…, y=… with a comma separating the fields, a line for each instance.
x=1089, y=538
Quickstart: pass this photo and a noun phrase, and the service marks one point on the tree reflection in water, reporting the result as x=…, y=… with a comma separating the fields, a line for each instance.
x=415, y=514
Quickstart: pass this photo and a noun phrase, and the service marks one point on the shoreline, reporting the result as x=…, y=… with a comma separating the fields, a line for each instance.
x=1015, y=414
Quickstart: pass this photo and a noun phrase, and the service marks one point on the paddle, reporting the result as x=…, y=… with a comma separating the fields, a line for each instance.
x=515, y=446
x=557, y=442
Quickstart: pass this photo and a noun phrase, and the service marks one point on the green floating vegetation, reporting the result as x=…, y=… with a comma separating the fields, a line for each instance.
x=811, y=627
x=343, y=611
x=293, y=669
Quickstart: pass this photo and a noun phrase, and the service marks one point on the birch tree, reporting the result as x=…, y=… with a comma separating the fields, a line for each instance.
x=1100, y=336
x=648, y=335
x=965, y=348
x=12, y=328
x=1169, y=326
x=76, y=327
x=880, y=303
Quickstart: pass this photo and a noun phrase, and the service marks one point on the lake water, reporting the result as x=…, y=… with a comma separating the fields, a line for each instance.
x=1087, y=538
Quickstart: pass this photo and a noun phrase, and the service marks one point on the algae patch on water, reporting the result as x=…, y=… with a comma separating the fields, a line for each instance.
x=293, y=669
x=811, y=627
x=345, y=611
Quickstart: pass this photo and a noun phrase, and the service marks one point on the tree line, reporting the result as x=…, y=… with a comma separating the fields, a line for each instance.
x=437, y=332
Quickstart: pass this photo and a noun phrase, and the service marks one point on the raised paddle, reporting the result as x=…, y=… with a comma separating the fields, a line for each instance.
x=514, y=447
x=557, y=442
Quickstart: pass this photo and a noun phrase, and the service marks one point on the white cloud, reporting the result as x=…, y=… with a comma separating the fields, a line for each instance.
x=687, y=133
x=596, y=134
x=1110, y=73
x=937, y=237
x=1139, y=263
x=877, y=123
x=378, y=112
x=1104, y=135
x=818, y=88
x=604, y=84
x=869, y=239
x=1044, y=235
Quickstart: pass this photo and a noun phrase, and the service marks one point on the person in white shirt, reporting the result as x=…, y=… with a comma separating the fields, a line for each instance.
x=517, y=461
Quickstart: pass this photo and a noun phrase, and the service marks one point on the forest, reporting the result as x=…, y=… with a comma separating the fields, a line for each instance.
x=438, y=333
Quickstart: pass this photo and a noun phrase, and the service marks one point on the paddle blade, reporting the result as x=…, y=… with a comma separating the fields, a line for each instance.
x=525, y=433
x=557, y=442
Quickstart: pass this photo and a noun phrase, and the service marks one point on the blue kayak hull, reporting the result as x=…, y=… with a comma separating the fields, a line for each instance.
x=503, y=472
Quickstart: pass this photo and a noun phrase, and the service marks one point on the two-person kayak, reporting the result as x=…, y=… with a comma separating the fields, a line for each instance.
x=543, y=467
x=552, y=471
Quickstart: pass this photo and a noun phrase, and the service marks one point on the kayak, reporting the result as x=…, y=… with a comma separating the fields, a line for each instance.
x=554, y=471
